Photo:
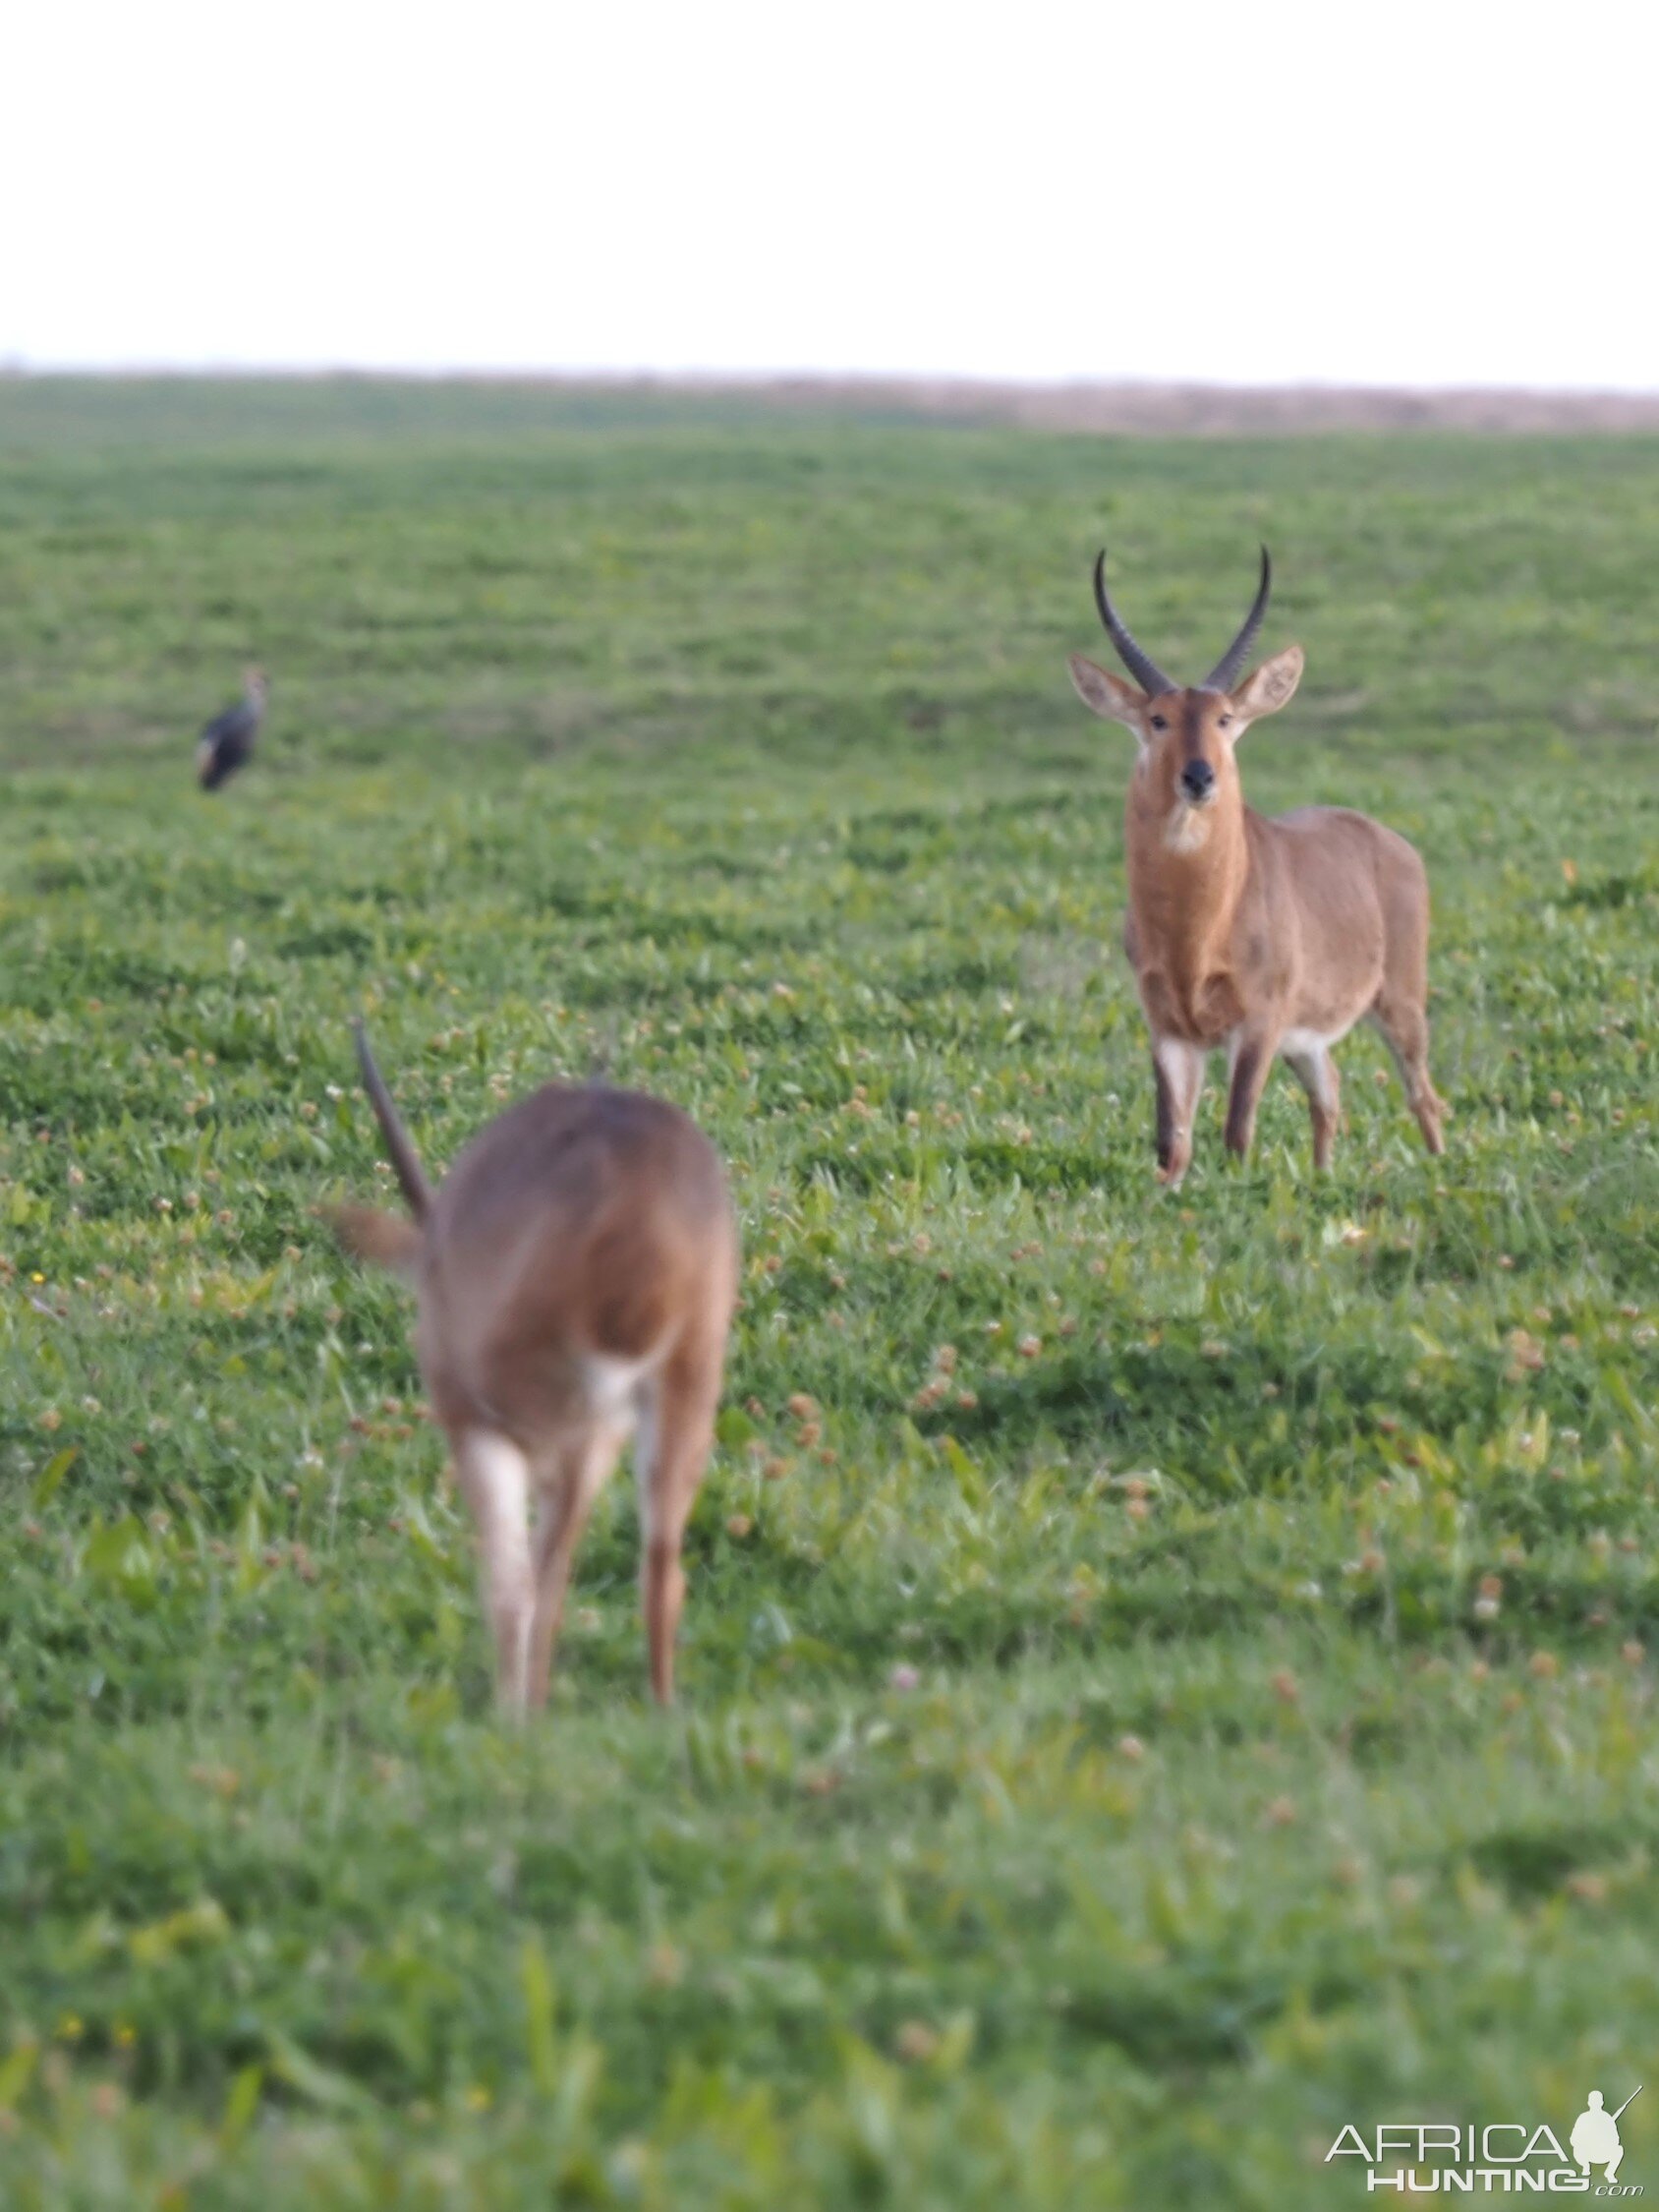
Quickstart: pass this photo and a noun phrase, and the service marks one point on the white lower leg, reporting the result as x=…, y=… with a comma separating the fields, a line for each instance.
x=1182, y=1067
x=495, y=1480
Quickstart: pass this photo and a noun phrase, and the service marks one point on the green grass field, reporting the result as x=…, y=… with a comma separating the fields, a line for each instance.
x=1163, y=1677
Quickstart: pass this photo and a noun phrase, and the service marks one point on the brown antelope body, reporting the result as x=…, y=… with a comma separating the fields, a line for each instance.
x=575, y=1272
x=1256, y=936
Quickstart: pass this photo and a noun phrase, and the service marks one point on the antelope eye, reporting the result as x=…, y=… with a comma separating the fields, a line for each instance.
x=1222, y=721
x=1158, y=722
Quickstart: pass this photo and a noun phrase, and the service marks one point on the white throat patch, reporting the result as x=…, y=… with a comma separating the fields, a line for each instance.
x=1188, y=830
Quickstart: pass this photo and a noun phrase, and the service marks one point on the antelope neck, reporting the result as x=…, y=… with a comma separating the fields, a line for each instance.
x=1185, y=900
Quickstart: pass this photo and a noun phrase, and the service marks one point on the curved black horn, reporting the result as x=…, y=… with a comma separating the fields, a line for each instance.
x=1145, y=671
x=1225, y=674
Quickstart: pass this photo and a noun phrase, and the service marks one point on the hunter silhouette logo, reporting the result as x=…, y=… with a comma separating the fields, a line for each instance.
x=1595, y=2135
x=1422, y=2158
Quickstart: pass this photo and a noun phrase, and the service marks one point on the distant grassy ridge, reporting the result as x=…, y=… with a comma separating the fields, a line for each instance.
x=428, y=564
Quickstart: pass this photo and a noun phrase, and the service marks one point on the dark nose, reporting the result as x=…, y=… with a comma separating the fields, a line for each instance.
x=1197, y=777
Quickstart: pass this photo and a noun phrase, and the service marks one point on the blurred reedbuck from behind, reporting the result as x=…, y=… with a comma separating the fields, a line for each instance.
x=575, y=1272
x=1256, y=936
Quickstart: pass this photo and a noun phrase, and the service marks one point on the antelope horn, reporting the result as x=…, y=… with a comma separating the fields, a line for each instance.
x=1225, y=674
x=1146, y=671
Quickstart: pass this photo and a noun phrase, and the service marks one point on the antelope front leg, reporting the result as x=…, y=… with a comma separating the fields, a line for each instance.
x=1178, y=1070
x=1251, y=1058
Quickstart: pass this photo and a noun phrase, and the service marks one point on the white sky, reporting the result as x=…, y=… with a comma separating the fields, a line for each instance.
x=1426, y=191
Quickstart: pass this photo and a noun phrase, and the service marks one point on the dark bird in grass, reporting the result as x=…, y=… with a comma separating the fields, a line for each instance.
x=227, y=742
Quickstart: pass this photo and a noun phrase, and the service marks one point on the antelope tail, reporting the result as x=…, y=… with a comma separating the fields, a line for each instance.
x=405, y=1163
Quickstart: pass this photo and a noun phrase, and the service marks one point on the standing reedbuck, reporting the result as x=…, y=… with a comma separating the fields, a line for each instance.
x=576, y=1271
x=1262, y=937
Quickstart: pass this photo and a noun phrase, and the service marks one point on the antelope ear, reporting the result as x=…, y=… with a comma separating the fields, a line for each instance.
x=1274, y=685
x=1107, y=695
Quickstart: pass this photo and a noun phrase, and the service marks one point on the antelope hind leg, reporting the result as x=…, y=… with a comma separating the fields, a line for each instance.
x=494, y=1479
x=1405, y=1029
x=1309, y=1060
x=582, y=1471
x=676, y=1434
